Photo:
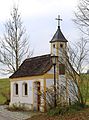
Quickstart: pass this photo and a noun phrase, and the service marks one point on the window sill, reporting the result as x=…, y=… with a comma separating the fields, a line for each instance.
x=16, y=95
x=25, y=96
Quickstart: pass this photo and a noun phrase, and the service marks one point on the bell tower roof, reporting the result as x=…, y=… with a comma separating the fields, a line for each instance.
x=58, y=36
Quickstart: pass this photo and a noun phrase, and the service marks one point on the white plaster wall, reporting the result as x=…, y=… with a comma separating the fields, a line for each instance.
x=62, y=86
x=49, y=82
x=62, y=79
x=73, y=90
x=54, y=51
x=20, y=98
x=24, y=99
x=51, y=71
x=71, y=87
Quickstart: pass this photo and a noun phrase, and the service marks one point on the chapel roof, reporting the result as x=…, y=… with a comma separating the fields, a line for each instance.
x=34, y=66
x=58, y=36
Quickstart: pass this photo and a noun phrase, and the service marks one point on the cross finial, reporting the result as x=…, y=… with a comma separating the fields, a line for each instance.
x=59, y=19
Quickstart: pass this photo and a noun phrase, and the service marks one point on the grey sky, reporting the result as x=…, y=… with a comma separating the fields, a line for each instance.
x=39, y=19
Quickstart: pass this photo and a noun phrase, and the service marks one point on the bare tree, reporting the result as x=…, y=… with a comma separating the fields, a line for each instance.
x=73, y=88
x=82, y=20
x=82, y=16
x=14, y=45
x=75, y=61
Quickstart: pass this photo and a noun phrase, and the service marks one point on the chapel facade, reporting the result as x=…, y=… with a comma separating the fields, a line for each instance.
x=36, y=74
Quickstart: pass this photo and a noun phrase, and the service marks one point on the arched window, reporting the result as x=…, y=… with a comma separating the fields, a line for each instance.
x=53, y=45
x=61, y=45
x=16, y=89
x=25, y=89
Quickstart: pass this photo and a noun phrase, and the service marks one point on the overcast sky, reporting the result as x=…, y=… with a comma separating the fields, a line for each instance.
x=39, y=19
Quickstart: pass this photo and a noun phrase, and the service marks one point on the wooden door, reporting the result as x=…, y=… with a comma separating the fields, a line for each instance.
x=37, y=96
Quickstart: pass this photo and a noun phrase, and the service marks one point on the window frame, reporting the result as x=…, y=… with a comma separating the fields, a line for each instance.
x=16, y=89
x=61, y=45
x=25, y=89
x=54, y=46
x=61, y=69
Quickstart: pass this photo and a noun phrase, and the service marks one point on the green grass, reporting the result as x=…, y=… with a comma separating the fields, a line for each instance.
x=4, y=89
x=84, y=87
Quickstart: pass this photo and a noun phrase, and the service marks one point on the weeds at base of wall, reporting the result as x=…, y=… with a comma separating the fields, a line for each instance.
x=19, y=107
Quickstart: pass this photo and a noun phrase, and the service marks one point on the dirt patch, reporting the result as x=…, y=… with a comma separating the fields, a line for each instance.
x=80, y=115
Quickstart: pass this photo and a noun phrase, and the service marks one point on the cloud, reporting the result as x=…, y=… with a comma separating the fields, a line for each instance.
x=44, y=7
x=35, y=7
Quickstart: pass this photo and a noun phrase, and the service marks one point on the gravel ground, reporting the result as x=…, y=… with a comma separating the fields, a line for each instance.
x=9, y=115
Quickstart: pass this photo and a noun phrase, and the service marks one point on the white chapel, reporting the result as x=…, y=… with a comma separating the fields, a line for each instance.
x=36, y=74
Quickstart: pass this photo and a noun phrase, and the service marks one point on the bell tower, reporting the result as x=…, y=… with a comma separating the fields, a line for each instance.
x=58, y=42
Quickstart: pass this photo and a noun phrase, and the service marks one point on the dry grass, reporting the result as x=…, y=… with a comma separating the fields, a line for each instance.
x=79, y=115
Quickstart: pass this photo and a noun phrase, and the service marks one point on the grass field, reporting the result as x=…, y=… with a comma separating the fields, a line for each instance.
x=4, y=90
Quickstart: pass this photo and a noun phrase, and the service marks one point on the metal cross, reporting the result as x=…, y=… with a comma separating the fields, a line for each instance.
x=59, y=19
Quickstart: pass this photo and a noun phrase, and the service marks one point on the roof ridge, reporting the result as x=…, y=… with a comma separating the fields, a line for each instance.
x=38, y=56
